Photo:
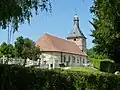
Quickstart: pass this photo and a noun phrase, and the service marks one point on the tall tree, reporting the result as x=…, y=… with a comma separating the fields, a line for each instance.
x=16, y=12
x=106, y=31
x=0, y=52
x=19, y=46
x=7, y=50
x=92, y=54
x=25, y=48
x=10, y=51
x=3, y=49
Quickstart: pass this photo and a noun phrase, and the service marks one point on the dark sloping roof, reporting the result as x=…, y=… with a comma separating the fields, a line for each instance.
x=76, y=32
x=48, y=42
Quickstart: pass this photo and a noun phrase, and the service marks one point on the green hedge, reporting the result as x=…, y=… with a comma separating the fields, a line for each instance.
x=96, y=63
x=103, y=65
x=117, y=67
x=107, y=66
x=20, y=78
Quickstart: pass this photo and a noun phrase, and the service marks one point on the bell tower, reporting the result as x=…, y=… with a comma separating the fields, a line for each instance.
x=76, y=35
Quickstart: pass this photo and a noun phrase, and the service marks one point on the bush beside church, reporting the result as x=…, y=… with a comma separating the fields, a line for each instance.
x=20, y=78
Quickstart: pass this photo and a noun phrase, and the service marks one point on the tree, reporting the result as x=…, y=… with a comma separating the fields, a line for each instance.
x=92, y=54
x=3, y=49
x=16, y=12
x=34, y=52
x=7, y=50
x=0, y=52
x=106, y=31
x=19, y=46
x=25, y=48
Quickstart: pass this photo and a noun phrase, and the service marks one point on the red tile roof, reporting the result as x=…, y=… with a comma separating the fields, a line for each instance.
x=49, y=43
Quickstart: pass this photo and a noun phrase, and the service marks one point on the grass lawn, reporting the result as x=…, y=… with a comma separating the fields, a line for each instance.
x=84, y=69
x=77, y=69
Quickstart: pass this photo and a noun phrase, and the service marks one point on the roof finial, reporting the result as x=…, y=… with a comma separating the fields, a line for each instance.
x=75, y=12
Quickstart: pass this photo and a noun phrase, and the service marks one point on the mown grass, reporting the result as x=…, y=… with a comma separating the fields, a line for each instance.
x=77, y=69
x=84, y=69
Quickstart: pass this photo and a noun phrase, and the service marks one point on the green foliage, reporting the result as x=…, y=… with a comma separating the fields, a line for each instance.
x=16, y=12
x=92, y=54
x=85, y=69
x=1, y=55
x=34, y=52
x=25, y=48
x=117, y=66
x=106, y=31
x=0, y=52
x=7, y=50
x=95, y=62
x=3, y=49
x=20, y=78
x=11, y=50
x=105, y=65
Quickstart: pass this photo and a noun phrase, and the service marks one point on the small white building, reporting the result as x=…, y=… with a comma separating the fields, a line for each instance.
x=57, y=52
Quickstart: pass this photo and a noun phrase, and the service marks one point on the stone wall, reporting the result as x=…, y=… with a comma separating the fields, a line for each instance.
x=81, y=42
x=58, y=58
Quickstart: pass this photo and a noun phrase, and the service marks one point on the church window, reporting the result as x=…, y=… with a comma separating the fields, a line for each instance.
x=51, y=65
x=83, y=60
x=80, y=58
x=64, y=58
x=69, y=59
x=74, y=39
x=44, y=62
x=73, y=59
x=74, y=32
x=77, y=60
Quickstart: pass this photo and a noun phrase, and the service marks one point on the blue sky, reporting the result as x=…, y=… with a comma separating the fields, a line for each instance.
x=58, y=23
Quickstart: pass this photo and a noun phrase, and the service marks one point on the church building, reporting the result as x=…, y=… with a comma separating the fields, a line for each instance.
x=57, y=52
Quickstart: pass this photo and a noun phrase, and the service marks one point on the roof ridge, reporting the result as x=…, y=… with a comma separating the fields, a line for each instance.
x=49, y=42
x=59, y=38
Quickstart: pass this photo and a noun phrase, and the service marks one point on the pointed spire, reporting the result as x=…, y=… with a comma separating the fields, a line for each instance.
x=76, y=32
x=76, y=20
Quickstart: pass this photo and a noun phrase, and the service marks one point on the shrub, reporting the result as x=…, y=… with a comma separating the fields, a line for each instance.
x=20, y=78
x=117, y=67
x=89, y=81
x=95, y=62
x=105, y=65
